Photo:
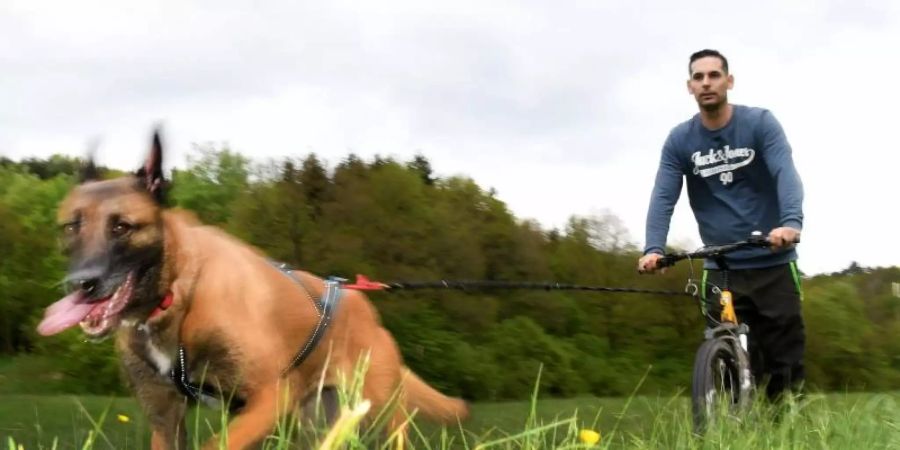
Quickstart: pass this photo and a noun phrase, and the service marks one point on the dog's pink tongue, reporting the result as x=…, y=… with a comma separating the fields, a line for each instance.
x=64, y=314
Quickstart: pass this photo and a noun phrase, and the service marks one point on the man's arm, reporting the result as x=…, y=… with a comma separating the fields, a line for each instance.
x=776, y=153
x=666, y=190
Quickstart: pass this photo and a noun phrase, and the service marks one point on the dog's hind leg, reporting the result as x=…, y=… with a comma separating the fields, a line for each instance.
x=321, y=408
x=256, y=421
x=383, y=387
x=316, y=414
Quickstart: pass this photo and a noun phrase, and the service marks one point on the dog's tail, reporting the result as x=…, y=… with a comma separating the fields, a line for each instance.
x=431, y=403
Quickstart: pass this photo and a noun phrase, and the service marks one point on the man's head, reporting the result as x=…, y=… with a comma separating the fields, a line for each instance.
x=709, y=80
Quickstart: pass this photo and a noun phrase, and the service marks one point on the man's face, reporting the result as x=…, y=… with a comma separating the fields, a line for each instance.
x=709, y=83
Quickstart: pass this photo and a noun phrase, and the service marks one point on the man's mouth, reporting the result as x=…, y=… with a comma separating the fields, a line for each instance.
x=97, y=317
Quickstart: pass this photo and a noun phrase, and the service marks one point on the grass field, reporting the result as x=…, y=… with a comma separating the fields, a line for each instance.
x=35, y=415
x=851, y=421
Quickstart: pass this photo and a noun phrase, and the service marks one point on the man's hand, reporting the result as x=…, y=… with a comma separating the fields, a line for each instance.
x=648, y=263
x=784, y=237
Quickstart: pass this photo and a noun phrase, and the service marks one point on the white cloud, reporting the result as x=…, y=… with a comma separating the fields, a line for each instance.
x=562, y=107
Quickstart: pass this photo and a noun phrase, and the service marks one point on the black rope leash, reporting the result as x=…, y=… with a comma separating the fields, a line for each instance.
x=364, y=284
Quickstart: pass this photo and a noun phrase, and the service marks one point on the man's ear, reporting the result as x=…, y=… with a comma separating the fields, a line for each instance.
x=151, y=174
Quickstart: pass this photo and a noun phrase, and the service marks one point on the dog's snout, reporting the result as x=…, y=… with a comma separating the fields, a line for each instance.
x=88, y=285
x=88, y=280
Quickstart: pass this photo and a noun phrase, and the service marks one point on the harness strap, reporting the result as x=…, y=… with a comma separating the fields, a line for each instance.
x=199, y=393
x=325, y=310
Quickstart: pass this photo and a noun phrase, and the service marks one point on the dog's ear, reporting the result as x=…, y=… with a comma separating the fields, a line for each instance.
x=150, y=176
x=89, y=170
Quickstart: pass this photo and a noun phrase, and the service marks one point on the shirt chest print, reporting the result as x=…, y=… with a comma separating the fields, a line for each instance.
x=722, y=162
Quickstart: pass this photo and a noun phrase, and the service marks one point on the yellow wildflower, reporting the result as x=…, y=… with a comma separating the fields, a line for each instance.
x=123, y=418
x=589, y=437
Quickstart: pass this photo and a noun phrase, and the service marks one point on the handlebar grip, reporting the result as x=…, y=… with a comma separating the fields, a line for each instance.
x=759, y=238
x=765, y=241
x=666, y=261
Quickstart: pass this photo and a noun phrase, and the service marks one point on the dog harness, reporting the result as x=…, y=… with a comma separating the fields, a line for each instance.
x=325, y=308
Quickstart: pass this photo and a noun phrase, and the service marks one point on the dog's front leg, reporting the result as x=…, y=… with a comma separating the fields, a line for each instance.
x=165, y=409
x=256, y=421
x=163, y=405
x=170, y=432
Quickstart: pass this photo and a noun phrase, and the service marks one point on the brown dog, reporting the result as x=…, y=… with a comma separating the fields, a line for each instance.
x=195, y=309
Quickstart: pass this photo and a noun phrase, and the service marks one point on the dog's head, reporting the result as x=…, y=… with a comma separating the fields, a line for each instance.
x=112, y=234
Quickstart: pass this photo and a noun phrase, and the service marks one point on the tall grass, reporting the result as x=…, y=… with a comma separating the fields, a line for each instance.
x=845, y=421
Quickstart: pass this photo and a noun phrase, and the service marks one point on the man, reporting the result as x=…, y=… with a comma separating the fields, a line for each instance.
x=740, y=178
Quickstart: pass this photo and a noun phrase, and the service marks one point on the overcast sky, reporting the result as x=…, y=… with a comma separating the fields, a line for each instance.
x=562, y=107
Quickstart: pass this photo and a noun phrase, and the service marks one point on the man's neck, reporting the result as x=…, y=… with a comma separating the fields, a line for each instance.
x=716, y=118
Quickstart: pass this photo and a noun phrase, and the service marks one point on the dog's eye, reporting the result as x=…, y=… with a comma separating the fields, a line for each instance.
x=70, y=229
x=120, y=229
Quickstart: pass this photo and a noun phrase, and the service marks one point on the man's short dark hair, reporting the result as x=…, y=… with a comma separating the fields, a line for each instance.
x=707, y=52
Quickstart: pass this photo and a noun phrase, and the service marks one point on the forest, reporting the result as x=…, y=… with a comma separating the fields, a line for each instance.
x=396, y=220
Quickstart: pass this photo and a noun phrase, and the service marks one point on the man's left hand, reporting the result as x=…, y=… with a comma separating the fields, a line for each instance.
x=784, y=237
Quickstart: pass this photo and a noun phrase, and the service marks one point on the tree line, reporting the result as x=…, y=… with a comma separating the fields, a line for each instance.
x=396, y=220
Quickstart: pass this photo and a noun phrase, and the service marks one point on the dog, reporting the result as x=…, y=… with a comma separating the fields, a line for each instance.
x=196, y=312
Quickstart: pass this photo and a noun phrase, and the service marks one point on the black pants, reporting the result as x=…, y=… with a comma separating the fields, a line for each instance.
x=768, y=300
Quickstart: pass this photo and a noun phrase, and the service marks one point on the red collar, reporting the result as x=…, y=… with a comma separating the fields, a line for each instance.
x=164, y=304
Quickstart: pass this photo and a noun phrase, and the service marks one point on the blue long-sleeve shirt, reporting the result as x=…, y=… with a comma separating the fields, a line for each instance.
x=740, y=178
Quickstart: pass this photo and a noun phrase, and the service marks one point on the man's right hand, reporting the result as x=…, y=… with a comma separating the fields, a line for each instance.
x=648, y=263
